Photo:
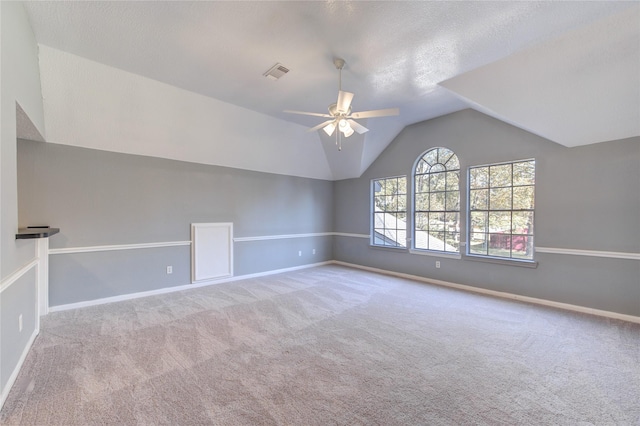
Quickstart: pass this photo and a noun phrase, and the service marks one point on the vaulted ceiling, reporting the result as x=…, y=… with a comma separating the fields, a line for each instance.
x=567, y=71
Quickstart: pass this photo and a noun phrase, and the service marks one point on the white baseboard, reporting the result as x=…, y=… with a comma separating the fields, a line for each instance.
x=16, y=370
x=534, y=300
x=165, y=290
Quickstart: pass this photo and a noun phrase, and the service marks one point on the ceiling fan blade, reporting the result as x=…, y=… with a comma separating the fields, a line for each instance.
x=376, y=113
x=320, y=126
x=344, y=101
x=315, y=114
x=357, y=126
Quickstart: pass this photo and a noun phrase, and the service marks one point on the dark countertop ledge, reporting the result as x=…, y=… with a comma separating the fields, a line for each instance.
x=36, y=232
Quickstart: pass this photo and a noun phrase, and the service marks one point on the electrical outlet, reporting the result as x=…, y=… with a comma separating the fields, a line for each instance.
x=313, y=251
x=300, y=253
x=437, y=264
x=20, y=322
x=169, y=269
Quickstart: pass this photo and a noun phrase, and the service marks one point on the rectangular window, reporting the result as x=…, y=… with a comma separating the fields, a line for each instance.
x=501, y=208
x=389, y=209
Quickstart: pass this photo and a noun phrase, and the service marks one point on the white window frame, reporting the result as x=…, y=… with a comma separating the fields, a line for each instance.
x=469, y=224
x=434, y=252
x=372, y=212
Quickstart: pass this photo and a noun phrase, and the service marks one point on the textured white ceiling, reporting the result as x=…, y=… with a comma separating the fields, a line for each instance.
x=580, y=88
x=397, y=53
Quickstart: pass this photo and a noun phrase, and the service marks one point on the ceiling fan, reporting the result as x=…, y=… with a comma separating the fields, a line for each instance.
x=340, y=115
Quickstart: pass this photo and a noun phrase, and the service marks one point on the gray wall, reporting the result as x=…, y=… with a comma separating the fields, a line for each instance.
x=101, y=198
x=18, y=299
x=587, y=198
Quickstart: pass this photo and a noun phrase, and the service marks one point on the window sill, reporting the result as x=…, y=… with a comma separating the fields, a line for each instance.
x=523, y=263
x=387, y=247
x=435, y=254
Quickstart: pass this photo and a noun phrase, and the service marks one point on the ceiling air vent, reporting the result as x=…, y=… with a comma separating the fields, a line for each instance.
x=276, y=71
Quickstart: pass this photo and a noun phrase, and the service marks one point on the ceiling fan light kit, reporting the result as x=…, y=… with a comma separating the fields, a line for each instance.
x=340, y=115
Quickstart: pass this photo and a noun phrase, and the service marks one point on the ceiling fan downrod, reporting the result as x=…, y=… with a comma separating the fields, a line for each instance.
x=339, y=63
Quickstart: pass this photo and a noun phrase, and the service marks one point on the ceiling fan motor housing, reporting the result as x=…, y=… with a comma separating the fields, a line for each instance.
x=333, y=110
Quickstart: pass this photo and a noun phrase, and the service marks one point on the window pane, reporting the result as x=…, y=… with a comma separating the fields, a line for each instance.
x=500, y=222
x=422, y=202
x=436, y=240
x=452, y=163
x=500, y=176
x=436, y=201
x=378, y=203
x=392, y=203
x=422, y=167
x=452, y=240
x=523, y=197
x=524, y=173
x=422, y=221
x=499, y=245
x=452, y=200
x=402, y=186
x=443, y=155
x=452, y=222
x=431, y=157
x=436, y=221
x=378, y=220
x=422, y=184
x=522, y=222
x=453, y=181
x=478, y=244
x=390, y=221
x=421, y=240
x=437, y=182
x=479, y=222
x=522, y=246
x=479, y=177
x=500, y=199
x=479, y=199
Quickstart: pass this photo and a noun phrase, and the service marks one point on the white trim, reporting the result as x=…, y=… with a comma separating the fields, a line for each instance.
x=534, y=300
x=88, y=249
x=5, y=283
x=18, y=367
x=594, y=253
x=548, y=250
x=346, y=234
x=165, y=290
x=42, y=278
x=434, y=253
x=282, y=237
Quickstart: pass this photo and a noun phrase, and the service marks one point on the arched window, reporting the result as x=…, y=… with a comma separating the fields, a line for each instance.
x=436, y=202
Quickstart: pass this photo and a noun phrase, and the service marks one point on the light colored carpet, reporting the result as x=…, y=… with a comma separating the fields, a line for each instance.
x=328, y=345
